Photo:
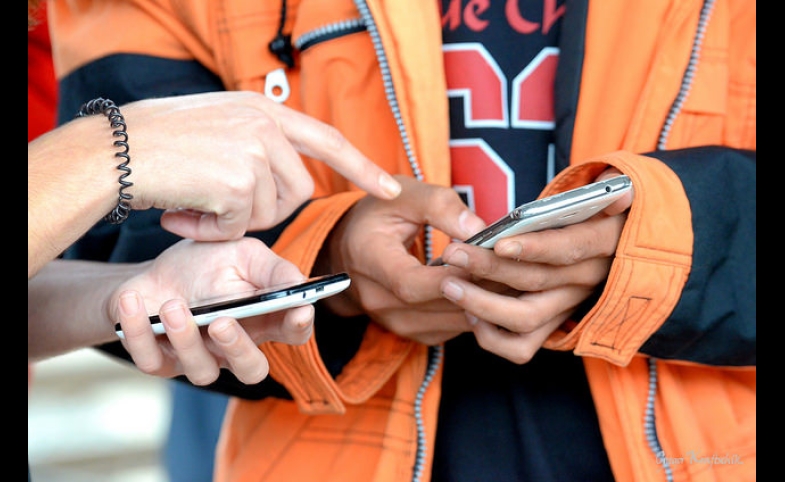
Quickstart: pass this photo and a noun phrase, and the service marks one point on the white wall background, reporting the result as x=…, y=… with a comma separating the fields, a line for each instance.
x=91, y=418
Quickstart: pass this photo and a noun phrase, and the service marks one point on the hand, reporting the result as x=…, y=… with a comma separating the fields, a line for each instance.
x=529, y=284
x=223, y=163
x=372, y=243
x=192, y=270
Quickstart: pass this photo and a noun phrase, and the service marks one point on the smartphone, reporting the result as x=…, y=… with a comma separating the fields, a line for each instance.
x=568, y=207
x=261, y=301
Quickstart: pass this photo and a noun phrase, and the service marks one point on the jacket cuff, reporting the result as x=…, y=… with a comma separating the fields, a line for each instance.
x=300, y=368
x=651, y=265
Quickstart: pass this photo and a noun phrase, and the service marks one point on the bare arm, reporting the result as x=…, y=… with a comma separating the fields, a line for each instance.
x=73, y=304
x=71, y=185
x=67, y=305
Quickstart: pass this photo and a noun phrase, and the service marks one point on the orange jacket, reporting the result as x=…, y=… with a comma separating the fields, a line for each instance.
x=363, y=424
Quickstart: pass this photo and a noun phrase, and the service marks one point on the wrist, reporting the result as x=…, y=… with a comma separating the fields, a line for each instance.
x=119, y=130
x=328, y=262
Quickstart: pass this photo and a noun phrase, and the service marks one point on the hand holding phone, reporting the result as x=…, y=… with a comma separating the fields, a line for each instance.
x=562, y=209
x=259, y=302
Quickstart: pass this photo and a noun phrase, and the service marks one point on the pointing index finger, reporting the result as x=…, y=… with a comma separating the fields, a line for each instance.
x=324, y=142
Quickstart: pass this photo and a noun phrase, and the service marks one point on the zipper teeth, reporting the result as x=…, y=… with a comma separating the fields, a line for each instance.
x=650, y=422
x=435, y=353
x=389, y=92
x=312, y=36
x=686, y=81
x=388, y=84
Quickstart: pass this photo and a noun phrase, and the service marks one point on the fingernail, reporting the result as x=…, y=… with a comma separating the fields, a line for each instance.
x=389, y=185
x=452, y=291
x=174, y=317
x=225, y=331
x=457, y=258
x=470, y=223
x=471, y=319
x=129, y=303
x=510, y=249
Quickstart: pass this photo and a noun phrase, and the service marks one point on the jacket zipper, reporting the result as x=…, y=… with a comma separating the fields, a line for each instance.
x=689, y=74
x=649, y=420
x=276, y=85
x=329, y=32
x=434, y=353
x=336, y=30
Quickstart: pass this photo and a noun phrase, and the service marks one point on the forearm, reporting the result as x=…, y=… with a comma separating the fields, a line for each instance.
x=67, y=306
x=71, y=185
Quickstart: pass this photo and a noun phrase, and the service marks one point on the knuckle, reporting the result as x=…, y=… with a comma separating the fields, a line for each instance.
x=372, y=304
x=303, y=188
x=333, y=138
x=258, y=377
x=150, y=367
x=301, y=334
x=265, y=217
x=204, y=377
x=522, y=356
x=575, y=254
x=443, y=198
x=255, y=374
x=487, y=264
x=528, y=321
x=537, y=280
x=235, y=193
x=266, y=123
x=404, y=291
x=240, y=186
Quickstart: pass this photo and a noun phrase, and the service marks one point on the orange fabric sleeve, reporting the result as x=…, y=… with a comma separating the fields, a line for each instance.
x=651, y=266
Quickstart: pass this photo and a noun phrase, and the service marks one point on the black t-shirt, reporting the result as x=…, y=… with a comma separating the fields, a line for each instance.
x=498, y=420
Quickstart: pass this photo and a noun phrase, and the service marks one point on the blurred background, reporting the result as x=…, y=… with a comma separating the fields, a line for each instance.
x=91, y=418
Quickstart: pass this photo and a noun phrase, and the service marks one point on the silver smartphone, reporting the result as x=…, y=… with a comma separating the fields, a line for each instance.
x=258, y=302
x=568, y=207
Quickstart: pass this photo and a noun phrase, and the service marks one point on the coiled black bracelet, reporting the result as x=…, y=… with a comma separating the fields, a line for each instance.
x=117, y=122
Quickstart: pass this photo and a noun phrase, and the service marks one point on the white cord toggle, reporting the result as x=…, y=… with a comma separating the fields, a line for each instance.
x=276, y=86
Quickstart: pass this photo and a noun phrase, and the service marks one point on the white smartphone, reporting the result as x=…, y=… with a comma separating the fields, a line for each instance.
x=261, y=301
x=562, y=209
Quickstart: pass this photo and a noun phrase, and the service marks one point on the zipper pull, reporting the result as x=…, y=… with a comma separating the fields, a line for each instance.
x=281, y=46
x=276, y=85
